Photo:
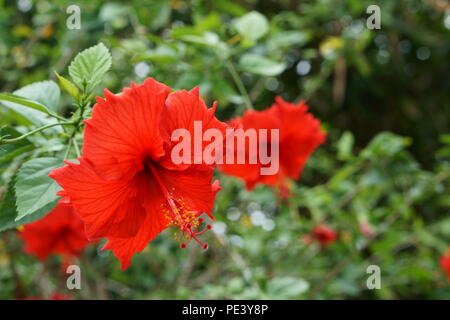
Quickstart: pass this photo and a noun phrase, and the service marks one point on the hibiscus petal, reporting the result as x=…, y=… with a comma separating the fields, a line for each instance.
x=108, y=208
x=154, y=223
x=300, y=135
x=124, y=130
x=250, y=173
x=191, y=186
x=183, y=109
x=125, y=248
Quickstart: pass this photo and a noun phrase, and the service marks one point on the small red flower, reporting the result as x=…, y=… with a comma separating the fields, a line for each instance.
x=59, y=232
x=324, y=235
x=307, y=239
x=366, y=228
x=445, y=264
x=59, y=296
x=55, y=296
x=126, y=187
x=300, y=134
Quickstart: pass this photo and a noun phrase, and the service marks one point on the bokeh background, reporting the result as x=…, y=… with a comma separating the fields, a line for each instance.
x=381, y=181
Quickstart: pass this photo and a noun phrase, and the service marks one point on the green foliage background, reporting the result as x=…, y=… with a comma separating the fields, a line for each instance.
x=382, y=95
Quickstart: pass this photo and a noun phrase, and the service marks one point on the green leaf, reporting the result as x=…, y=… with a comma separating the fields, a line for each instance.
x=12, y=154
x=42, y=96
x=9, y=151
x=189, y=80
x=34, y=189
x=209, y=39
x=385, y=145
x=46, y=93
x=209, y=23
x=8, y=212
x=160, y=14
x=23, y=101
x=230, y=6
x=68, y=86
x=345, y=146
x=252, y=26
x=224, y=91
x=89, y=67
x=34, y=102
x=115, y=14
x=286, y=288
x=285, y=39
x=260, y=65
x=162, y=54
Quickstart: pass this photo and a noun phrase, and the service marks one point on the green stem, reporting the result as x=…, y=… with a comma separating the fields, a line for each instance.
x=54, y=115
x=66, y=154
x=240, y=85
x=82, y=105
x=77, y=149
x=8, y=141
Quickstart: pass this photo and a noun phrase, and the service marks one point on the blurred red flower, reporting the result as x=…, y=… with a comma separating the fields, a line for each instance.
x=55, y=296
x=300, y=134
x=59, y=232
x=59, y=296
x=324, y=235
x=445, y=264
x=126, y=187
x=366, y=228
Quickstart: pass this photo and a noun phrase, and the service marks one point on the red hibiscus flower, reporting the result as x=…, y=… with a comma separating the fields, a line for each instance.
x=324, y=235
x=126, y=187
x=445, y=264
x=299, y=136
x=59, y=232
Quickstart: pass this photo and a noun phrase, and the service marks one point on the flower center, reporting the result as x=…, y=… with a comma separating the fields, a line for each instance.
x=179, y=215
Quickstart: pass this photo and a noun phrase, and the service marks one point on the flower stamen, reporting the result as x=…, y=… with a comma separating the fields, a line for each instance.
x=180, y=216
